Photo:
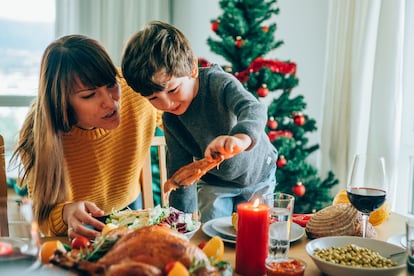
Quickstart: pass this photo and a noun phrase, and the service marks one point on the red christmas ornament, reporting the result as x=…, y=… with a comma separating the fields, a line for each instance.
x=239, y=42
x=276, y=66
x=265, y=29
x=299, y=189
x=202, y=62
x=272, y=123
x=215, y=25
x=263, y=91
x=281, y=161
x=299, y=119
x=273, y=134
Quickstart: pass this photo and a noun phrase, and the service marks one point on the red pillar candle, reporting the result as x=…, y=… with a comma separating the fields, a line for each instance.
x=252, y=238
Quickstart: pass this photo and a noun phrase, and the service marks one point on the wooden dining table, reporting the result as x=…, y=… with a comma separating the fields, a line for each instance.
x=394, y=226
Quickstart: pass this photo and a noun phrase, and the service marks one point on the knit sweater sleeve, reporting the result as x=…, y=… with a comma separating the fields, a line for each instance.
x=55, y=226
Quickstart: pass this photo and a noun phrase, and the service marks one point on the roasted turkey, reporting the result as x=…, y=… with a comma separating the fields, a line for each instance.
x=145, y=251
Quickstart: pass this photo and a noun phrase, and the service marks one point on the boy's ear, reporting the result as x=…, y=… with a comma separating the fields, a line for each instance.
x=194, y=72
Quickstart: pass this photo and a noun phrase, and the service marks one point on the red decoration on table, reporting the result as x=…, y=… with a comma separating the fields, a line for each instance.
x=299, y=189
x=252, y=238
x=301, y=219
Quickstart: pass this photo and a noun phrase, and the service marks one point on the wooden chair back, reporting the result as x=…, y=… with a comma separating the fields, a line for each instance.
x=146, y=175
x=4, y=225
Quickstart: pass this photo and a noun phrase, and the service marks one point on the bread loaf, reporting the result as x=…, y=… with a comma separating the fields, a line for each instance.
x=337, y=220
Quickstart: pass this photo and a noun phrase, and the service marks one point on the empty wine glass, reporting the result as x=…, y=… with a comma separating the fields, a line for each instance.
x=367, y=188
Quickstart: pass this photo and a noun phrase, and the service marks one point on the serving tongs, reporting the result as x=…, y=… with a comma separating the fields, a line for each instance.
x=190, y=173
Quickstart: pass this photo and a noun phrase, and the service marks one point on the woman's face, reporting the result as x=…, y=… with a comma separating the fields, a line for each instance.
x=96, y=107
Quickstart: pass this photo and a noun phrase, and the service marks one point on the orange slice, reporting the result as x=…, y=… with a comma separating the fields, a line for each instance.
x=48, y=248
x=214, y=249
x=178, y=269
x=234, y=220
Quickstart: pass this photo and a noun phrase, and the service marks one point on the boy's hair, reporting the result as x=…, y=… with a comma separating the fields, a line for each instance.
x=159, y=47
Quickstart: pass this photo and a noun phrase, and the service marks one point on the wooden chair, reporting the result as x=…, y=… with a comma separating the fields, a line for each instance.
x=146, y=175
x=4, y=225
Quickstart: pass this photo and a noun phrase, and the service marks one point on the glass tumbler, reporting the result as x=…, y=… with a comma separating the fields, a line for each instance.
x=281, y=210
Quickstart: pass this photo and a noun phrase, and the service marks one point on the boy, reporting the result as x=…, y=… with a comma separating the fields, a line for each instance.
x=207, y=112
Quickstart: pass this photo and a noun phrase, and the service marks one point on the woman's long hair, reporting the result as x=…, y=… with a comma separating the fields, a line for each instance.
x=66, y=62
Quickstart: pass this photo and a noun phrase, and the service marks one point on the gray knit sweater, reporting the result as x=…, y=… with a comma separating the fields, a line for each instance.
x=222, y=106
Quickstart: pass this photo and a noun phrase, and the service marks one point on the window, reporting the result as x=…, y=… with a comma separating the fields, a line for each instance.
x=27, y=28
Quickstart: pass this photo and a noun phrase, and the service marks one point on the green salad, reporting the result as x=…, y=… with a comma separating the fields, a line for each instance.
x=134, y=219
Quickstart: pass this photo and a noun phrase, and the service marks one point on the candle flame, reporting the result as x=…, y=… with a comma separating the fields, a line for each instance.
x=256, y=203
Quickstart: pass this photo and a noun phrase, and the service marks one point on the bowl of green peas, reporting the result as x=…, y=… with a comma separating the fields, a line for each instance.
x=356, y=256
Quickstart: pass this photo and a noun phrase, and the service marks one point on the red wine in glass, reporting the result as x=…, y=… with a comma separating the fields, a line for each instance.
x=366, y=200
x=367, y=185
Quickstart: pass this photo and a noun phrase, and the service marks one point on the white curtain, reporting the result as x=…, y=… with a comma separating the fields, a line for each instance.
x=112, y=22
x=363, y=85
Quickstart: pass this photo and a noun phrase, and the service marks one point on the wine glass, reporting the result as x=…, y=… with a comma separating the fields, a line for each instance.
x=367, y=188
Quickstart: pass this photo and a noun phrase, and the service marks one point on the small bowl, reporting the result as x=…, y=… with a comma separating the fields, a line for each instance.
x=290, y=267
x=190, y=234
x=383, y=248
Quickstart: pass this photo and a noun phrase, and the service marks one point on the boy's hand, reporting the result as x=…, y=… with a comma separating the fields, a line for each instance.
x=227, y=146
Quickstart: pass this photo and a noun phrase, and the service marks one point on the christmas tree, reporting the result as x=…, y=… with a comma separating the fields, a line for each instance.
x=243, y=35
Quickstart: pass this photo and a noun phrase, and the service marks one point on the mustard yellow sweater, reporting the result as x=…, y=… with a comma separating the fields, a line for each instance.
x=104, y=166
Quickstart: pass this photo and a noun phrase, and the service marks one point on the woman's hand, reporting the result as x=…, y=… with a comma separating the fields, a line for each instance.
x=79, y=216
x=227, y=146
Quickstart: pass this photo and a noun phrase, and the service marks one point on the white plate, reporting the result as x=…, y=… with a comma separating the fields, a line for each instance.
x=208, y=229
x=398, y=240
x=383, y=248
x=222, y=227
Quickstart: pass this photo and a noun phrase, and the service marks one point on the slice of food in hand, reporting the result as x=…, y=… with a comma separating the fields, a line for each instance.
x=214, y=249
x=190, y=173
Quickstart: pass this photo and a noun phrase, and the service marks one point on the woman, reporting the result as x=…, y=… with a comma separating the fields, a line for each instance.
x=83, y=143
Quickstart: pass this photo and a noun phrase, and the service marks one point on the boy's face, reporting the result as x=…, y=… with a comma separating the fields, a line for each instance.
x=177, y=95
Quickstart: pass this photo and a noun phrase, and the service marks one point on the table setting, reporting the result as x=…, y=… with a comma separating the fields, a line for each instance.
x=264, y=237
x=224, y=228
x=391, y=230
